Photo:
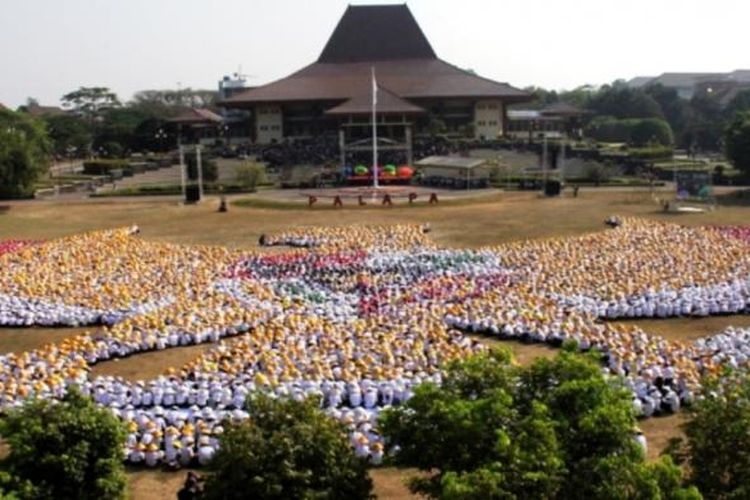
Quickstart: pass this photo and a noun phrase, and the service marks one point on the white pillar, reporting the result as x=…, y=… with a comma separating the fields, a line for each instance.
x=199, y=162
x=183, y=174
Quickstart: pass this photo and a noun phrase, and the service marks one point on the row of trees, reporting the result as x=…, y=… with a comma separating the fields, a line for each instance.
x=100, y=123
x=25, y=154
x=697, y=124
x=554, y=430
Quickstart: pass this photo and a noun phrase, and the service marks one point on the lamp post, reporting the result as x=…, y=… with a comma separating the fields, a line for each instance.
x=160, y=136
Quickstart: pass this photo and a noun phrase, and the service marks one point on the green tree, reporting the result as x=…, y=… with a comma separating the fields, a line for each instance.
x=621, y=101
x=580, y=96
x=556, y=429
x=168, y=103
x=597, y=172
x=24, y=154
x=286, y=450
x=675, y=109
x=90, y=102
x=717, y=439
x=68, y=133
x=739, y=103
x=153, y=134
x=649, y=131
x=119, y=125
x=541, y=97
x=706, y=124
x=737, y=141
x=67, y=449
x=155, y=104
x=249, y=175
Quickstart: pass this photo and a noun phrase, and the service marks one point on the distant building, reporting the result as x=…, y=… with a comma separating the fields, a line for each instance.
x=687, y=84
x=39, y=111
x=555, y=121
x=723, y=91
x=237, y=122
x=198, y=126
x=332, y=96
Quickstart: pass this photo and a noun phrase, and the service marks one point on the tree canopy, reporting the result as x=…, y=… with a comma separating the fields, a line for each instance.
x=67, y=449
x=24, y=154
x=287, y=449
x=620, y=101
x=90, y=102
x=739, y=103
x=168, y=103
x=737, y=141
x=717, y=439
x=69, y=134
x=557, y=429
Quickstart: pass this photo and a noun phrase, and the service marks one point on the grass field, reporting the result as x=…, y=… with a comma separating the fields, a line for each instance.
x=488, y=221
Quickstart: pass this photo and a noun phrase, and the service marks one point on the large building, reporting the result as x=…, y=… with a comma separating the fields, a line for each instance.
x=688, y=84
x=418, y=92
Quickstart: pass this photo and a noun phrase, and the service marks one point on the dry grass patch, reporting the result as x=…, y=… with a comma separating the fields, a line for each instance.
x=471, y=223
x=18, y=340
x=689, y=329
x=659, y=430
x=389, y=483
x=512, y=216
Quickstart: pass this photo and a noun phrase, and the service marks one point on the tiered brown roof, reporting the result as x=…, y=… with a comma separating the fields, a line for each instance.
x=388, y=39
x=196, y=116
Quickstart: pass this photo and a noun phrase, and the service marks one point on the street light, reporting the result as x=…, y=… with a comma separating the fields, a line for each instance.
x=160, y=136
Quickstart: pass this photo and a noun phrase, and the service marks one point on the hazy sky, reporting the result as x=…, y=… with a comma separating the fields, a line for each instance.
x=49, y=47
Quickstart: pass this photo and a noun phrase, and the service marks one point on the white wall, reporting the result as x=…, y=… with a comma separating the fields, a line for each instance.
x=268, y=124
x=488, y=119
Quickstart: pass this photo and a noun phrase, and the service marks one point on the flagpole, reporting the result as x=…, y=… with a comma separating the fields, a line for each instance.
x=374, y=130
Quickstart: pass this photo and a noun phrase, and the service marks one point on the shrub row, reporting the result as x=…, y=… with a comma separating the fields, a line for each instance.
x=176, y=189
x=636, y=131
x=126, y=167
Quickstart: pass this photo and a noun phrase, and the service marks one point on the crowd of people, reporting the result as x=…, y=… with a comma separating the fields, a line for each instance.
x=324, y=150
x=356, y=318
x=8, y=246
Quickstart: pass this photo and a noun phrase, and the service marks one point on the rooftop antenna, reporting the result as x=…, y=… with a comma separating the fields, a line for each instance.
x=239, y=75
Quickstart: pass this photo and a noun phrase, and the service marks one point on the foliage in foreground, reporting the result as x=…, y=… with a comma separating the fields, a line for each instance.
x=24, y=154
x=717, y=440
x=556, y=429
x=737, y=140
x=286, y=450
x=69, y=449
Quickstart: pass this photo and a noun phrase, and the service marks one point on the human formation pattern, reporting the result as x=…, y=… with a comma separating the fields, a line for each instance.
x=355, y=317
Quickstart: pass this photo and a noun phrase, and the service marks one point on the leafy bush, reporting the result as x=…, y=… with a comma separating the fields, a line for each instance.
x=737, y=140
x=67, y=449
x=287, y=450
x=635, y=131
x=650, y=131
x=651, y=153
x=556, y=429
x=598, y=173
x=717, y=439
x=112, y=149
x=250, y=175
x=24, y=154
x=174, y=189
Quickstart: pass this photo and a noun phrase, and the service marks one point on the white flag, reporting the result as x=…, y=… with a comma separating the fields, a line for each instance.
x=374, y=88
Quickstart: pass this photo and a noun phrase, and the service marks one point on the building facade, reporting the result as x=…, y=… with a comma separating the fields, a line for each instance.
x=418, y=93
